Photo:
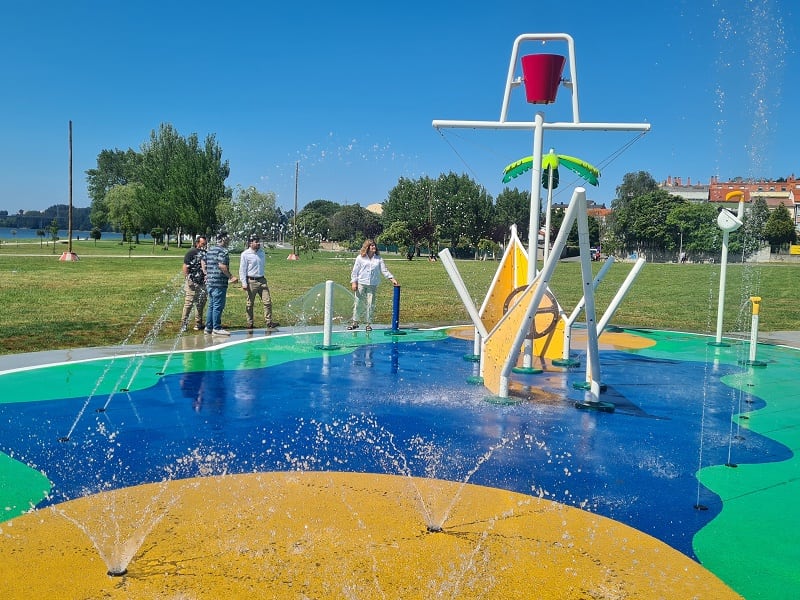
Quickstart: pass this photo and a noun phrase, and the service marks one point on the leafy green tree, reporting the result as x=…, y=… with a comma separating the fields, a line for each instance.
x=353, y=222
x=54, y=233
x=124, y=209
x=41, y=234
x=114, y=167
x=313, y=224
x=752, y=232
x=693, y=229
x=182, y=182
x=635, y=185
x=486, y=247
x=201, y=176
x=326, y=208
x=640, y=222
x=513, y=207
x=250, y=212
x=412, y=202
x=397, y=234
x=157, y=234
x=779, y=229
x=463, y=210
x=307, y=244
x=95, y=234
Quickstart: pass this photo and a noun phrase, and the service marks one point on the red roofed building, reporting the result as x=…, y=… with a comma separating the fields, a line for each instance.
x=773, y=192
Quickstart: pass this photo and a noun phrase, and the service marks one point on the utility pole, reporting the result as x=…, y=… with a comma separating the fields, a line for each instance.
x=293, y=255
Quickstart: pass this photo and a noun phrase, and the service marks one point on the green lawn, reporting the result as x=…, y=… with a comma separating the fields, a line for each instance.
x=115, y=295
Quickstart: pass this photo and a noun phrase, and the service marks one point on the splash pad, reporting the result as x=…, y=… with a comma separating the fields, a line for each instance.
x=246, y=462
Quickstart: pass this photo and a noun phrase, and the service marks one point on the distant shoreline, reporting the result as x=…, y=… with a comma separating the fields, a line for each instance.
x=27, y=234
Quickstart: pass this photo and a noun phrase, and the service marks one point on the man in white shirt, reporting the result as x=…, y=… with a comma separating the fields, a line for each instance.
x=254, y=283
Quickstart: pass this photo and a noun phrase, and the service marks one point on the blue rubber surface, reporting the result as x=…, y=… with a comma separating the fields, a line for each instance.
x=405, y=407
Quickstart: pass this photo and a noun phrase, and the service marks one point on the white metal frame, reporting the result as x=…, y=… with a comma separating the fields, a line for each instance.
x=538, y=125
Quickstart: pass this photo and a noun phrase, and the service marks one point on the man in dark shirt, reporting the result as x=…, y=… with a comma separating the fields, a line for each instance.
x=195, y=286
x=218, y=276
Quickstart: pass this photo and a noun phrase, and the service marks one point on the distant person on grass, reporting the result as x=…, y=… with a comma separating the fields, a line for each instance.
x=195, y=286
x=364, y=281
x=218, y=276
x=254, y=283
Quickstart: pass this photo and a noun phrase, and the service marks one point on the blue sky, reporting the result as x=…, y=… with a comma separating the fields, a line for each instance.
x=350, y=89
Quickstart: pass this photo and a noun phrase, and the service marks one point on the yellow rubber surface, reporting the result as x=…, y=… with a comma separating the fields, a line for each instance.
x=335, y=535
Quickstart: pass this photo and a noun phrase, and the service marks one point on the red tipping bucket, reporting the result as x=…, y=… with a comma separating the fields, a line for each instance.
x=542, y=74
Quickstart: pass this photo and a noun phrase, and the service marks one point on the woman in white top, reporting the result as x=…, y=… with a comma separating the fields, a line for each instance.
x=364, y=280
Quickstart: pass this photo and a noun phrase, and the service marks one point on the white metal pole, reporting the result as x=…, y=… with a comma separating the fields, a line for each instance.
x=455, y=277
x=533, y=222
x=536, y=197
x=328, y=319
x=620, y=295
x=723, y=272
x=756, y=300
x=569, y=321
x=547, y=214
x=592, y=346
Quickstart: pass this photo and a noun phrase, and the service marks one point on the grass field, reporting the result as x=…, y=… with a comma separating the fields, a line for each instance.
x=115, y=295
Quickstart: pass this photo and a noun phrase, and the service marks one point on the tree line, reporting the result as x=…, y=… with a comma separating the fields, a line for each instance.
x=42, y=219
x=649, y=221
x=175, y=187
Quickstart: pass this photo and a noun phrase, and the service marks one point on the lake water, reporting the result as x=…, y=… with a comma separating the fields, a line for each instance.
x=30, y=234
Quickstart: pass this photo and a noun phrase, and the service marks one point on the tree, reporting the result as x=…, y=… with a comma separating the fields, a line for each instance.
x=313, y=224
x=694, y=230
x=202, y=174
x=779, y=228
x=159, y=174
x=634, y=185
x=640, y=222
x=752, y=231
x=40, y=233
x=513, y=207
x=412, y=202
x=354, y=222
x=95, y=234
x=398, y=234
x=114, y=167
x=54, y=233
x=486, y=247
x=124, y=209
x=326, y=208
x=182, y=182
x=463, y=210
x=250, y=212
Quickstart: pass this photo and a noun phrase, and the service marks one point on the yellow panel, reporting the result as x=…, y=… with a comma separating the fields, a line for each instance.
x=551, y=345
x=496, y=347
x=512, y=273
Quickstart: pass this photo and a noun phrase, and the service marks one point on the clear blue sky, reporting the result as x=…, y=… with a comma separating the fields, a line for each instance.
x=350, y=89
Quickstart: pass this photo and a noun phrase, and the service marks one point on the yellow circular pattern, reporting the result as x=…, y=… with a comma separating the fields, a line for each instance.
x=335, y=535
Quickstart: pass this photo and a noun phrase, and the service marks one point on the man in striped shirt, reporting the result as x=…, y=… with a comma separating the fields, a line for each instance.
x=218, y=276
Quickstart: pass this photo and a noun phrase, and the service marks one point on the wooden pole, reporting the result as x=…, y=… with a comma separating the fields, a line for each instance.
x=294, y=217
x=69, y=214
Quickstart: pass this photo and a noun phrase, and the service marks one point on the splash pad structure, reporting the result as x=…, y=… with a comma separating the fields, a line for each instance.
x=507, y=344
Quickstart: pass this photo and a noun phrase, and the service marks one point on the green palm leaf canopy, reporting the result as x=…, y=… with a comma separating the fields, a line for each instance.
x=588, y=172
